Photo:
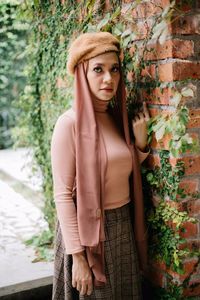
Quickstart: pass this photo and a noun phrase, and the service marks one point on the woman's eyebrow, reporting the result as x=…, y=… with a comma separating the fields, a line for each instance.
x=100, y=64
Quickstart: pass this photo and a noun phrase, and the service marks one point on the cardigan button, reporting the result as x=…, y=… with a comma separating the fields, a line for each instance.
x=98, y=213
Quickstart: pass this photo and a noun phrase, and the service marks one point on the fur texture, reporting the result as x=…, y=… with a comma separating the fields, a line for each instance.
x=89, y=45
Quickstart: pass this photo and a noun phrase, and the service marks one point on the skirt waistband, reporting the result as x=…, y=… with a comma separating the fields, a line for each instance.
x=118, y=213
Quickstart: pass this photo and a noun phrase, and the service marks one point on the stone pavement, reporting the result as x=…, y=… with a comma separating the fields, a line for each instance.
x=20, y=219
x=18, y=164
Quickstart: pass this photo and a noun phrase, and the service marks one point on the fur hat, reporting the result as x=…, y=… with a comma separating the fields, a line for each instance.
x=89, y=45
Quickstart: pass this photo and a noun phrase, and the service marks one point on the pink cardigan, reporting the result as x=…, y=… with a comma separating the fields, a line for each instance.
x=119, y=168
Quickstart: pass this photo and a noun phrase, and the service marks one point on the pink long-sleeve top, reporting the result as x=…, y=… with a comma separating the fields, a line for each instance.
x=119, y=168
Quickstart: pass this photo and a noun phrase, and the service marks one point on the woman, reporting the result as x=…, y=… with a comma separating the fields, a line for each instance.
x=92, y=163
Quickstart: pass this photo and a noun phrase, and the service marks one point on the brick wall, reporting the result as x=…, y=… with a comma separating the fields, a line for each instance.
x=176, y=60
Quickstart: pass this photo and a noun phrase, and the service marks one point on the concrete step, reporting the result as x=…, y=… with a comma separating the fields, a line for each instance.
x=40, y=289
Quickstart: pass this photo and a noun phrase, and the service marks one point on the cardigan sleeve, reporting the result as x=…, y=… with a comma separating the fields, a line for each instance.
x=63, y=170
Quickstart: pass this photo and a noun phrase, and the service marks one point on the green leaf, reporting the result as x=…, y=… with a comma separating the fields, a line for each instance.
x=175, y=100
x=187, y=92
x=116, y=13
x=126, y=41
x=126, y=33
x=160, y=132
x=103, y=22
x=116, y=31
x=158, y=29
x=163, y=36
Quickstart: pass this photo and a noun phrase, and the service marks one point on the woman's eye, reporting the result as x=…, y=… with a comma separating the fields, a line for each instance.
x=97, y=69
x=115, y=69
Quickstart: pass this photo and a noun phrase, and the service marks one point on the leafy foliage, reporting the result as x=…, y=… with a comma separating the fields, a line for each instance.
x=43, y=245
x=12, y=79
x=166, y=221
x=174, y=125
x=165, y=179
x=171, y=292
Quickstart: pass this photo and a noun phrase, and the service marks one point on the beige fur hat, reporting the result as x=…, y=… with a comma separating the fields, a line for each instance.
x=89, y=45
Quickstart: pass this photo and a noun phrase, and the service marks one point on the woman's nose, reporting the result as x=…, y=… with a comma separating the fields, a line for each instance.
x=107, y=77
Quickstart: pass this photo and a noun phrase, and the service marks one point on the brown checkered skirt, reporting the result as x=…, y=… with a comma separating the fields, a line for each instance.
x=122, y=273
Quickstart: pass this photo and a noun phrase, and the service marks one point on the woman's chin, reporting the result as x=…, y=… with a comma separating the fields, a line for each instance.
x=105, y=98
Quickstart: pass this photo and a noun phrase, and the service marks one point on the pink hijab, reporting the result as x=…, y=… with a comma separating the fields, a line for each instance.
x=91, y=163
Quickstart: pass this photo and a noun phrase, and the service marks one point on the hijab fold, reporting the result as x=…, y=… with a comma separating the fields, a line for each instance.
x=91, y=164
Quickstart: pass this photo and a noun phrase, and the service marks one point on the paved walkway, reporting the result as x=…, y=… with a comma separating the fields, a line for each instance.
x=18, y=164
x=20, y=219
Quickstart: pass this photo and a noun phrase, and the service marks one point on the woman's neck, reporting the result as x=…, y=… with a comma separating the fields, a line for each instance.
x=100, y=106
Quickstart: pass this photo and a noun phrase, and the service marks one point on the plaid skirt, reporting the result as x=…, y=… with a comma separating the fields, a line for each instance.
x=121, y=263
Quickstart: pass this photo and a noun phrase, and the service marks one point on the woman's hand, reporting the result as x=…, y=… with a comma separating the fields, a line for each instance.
x=139, y=125
x=81, y=274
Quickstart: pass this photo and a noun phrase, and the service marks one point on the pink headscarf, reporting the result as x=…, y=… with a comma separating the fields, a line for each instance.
x=91, y=164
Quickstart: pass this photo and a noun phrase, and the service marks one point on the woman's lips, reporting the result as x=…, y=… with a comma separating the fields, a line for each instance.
x=107, y=89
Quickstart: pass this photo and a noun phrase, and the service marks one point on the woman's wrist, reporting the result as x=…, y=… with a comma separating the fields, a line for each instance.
x=79, y=255
x=141, y=147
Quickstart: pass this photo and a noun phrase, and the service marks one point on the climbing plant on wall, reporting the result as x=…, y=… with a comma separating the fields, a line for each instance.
x=49, y=92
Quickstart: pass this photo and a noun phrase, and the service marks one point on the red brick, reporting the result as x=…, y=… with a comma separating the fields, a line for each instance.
x=193, y=290
x=142, y=28
x=194, y=207
x=179, y=70
x=158, y=96
x=196, y=275
x=186, y=25
x=160, y=265
x=147, y=9
x=132, y=50
x=149, y=71
x=189, y=186
x=188, y=266
x=192, y=245
x=171, y=48
x=191, y=230
x=162, y=144
x=191, y=163
x=194, y=118
x=183, y=6
x=155, y=111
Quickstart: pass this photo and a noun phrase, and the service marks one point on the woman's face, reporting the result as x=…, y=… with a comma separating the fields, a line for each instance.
x=103, y=75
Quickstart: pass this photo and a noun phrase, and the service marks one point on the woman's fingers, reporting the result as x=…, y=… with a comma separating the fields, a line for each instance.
x=136, y=119
x=142, y=116
x=81, y=274
x=139, y=125
x=145, y=111
x=78, y=286
x=84, y=287
x=74, y=283
x=90, y=288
